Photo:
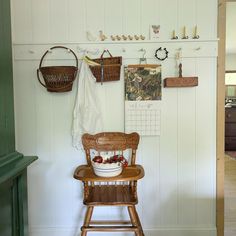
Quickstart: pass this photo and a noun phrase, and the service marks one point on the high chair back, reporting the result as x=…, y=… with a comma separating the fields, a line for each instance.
x=116, y=142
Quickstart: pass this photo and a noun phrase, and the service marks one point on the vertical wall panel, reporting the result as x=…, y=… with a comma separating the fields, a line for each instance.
x=77, y=20
x=205, y=142
x=150, y=193
x=113, y=19
x=168, y=151
x=186, y=147
x=207, y=8
x=150, y=15
x=25, y=108
x=94, y=17
x=22, y=24
x=41, y=21
x=132, y=17
x=59, y=20
x=168, y=18
x=186, y=17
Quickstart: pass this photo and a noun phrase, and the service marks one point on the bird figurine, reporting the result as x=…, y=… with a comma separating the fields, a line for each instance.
x=113, y=38
x=90, y=36
x=130, y=37
x=102, y=36
x=118, y=37
x=142, y=37
x=124, y=37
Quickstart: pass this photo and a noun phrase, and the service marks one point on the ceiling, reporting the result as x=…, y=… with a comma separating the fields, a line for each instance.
x=231, y=28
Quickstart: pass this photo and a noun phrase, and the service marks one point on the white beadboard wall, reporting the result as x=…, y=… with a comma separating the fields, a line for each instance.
x=178, y=193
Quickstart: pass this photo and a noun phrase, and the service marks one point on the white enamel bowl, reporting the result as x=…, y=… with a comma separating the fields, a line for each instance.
x=107, y=170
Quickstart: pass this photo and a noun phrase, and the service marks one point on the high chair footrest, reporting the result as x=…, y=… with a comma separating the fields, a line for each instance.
x=110, y=228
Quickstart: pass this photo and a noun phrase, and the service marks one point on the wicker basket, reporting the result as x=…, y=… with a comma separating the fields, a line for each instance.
x=57, y=78
x=109, y=68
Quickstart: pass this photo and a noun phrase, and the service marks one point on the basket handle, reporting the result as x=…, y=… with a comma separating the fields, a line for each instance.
x=107, y=52
x=40, y=79
x=41, y=61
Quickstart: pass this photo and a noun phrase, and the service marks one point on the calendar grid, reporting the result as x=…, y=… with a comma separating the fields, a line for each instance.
x=143, y=117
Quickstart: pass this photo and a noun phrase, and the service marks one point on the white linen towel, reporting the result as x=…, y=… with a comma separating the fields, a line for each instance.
x=87, y=111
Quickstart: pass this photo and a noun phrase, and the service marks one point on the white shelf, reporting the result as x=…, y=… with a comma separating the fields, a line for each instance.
x=120, y=42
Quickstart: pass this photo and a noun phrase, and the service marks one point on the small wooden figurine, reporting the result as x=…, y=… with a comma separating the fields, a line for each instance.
x=124, y=37
x=102, y=35
x=130, y=37
x=113, y=38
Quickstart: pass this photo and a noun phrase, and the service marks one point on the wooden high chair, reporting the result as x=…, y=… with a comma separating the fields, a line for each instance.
x=120, y=190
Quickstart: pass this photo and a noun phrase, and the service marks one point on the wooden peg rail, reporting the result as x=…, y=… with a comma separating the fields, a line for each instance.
x=173, y=82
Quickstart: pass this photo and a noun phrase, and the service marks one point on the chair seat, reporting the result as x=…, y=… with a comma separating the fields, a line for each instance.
x=110, y=195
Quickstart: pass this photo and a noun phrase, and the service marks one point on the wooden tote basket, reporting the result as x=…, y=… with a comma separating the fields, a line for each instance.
x=57, y=78
x=109, y=68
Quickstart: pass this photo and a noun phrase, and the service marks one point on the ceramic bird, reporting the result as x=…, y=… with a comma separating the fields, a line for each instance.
x=102, y=36
x=124, y=37
x=90, y=37
x=130, y=37
x=113, y=38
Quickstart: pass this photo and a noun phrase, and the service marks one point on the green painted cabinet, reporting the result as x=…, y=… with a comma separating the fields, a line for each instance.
x=7, y=144
x=13, y=165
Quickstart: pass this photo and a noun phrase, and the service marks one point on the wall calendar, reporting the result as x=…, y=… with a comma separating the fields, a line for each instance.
x=142, y=99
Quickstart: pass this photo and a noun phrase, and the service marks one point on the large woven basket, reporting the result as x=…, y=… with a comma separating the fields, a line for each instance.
x=57, y=78
x=109, y=68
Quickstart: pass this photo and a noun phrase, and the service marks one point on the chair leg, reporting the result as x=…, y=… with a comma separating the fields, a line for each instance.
x=135, y=220
x=87, y=220
x=138, y=220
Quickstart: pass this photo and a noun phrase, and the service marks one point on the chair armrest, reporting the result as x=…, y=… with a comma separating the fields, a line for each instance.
x=129, y=173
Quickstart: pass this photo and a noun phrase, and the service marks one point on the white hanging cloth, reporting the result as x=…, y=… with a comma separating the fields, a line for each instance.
x=87, y=111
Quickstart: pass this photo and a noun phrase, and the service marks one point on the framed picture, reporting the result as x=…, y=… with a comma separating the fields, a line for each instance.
x=154, y=32
x=230, y=84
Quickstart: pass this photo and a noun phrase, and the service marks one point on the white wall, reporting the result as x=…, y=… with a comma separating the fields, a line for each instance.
x=230, y=29
x=177, y=195
x=230, y=62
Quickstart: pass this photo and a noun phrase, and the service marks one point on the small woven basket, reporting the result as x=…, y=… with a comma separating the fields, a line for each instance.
x=57, y=78
x=109, y=68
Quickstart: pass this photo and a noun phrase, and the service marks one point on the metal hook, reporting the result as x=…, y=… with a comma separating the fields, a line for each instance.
x=144, y=52
x=143, y=59
x=86, y=51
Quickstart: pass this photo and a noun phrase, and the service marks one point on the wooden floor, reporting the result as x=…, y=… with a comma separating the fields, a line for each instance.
x=230, y=196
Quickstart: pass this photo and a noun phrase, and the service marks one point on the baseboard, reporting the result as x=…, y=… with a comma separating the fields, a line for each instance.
x=63, y=231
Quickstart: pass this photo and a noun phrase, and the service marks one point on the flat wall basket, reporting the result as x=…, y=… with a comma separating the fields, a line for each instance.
x=173, y=82
x=57, y=78
x=108, y=68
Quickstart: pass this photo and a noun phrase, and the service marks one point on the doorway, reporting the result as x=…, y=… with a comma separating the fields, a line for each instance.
x=220, y=205
x=230, y=122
